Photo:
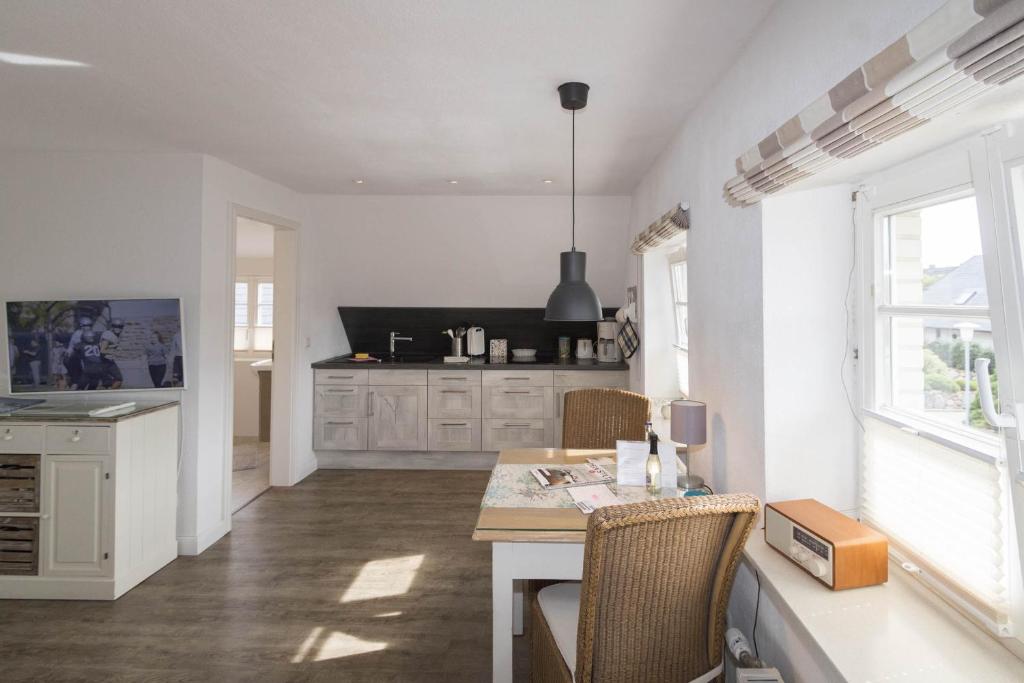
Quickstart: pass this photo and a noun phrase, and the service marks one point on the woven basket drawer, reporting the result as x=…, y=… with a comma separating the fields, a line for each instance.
x=19, y=546
x=19, y=483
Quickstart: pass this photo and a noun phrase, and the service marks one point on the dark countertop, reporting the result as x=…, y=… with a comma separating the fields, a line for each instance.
x=432, y=363
x=69, y=410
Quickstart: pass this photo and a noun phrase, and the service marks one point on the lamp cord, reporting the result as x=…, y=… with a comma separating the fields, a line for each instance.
x=574, y=180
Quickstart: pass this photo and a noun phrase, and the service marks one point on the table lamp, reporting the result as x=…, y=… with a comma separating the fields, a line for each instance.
x=689, y=427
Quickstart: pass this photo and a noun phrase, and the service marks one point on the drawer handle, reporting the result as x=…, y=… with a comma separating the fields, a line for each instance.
x=8, y=435
x=341, y=423
x=341, y=376
x=76, y=436
x=523, y=379
x=370, y=410
x=512, y=391
x=517, y=424
x=340, y=391
x=460, y=379
x=454, y=391
x=454, y=424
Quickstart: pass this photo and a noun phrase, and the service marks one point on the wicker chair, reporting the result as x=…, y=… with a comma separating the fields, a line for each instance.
x=651, y=606
x=595, y=418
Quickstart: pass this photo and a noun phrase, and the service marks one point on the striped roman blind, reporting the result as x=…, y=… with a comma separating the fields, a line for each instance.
x=672, y=223
x=961, y=51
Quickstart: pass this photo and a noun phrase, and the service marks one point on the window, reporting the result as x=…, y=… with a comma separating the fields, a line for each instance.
x=254, y=314
x=678, y=274
x=933, y=475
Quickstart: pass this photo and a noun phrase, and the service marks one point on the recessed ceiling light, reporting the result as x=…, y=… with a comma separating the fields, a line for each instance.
x=547, y=181
x=358, y=181
x=35, y=60
x=453, y=182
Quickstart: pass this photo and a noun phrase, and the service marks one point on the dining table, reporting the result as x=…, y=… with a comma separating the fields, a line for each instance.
x=535, y=533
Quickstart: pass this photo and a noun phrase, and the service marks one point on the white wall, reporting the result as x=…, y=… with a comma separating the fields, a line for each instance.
x=80, y=226
x=811, y=437
x=800, y=50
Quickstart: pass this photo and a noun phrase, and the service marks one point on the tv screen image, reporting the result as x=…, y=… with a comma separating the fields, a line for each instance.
x=94, y=345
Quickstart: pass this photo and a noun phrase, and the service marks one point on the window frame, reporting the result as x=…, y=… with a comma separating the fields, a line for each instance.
x=252, y=283
x=682, y=350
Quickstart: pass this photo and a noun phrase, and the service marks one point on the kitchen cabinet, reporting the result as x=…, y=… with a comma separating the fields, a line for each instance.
x=339, y=433
x=333, y=400
x=397, y=418
x=453, y=435
x=515, y=401
x=502, y=434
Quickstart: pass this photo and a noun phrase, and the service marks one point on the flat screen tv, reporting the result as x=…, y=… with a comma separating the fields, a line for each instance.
x=94, y=345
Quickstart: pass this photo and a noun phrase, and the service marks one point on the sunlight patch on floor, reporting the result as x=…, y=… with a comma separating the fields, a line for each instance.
x=384, y=578
x=317, y=648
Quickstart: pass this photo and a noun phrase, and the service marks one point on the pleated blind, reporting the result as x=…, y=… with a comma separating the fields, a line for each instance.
x=942, y=509
x=662, y=230
x=963, y=50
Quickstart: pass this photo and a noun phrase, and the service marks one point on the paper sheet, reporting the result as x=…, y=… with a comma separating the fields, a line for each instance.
x=632, y=462
x=589, y=498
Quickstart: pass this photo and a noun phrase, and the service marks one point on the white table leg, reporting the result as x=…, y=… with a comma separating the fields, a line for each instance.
x=517, y=606
x=502, y=606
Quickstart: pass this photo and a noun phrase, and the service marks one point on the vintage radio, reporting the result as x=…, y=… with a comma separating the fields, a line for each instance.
x=836, y=550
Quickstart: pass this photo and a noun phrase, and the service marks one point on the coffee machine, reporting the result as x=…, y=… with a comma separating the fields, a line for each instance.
x=607, y=348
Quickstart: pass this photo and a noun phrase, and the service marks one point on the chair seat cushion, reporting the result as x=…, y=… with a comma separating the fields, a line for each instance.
x=560, y=604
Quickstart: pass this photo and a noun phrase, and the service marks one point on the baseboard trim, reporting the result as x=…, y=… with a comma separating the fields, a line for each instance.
x=194, y=545
x=406, y=460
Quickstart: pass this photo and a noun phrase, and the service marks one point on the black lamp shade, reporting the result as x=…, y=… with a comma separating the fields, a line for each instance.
x=573, y=300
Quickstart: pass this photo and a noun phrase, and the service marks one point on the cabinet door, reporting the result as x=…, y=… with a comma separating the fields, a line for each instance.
x=78, y=501
x=454, y=402
x=339, y=434
x=398, y=418
x=333, y=400
x=517, y=402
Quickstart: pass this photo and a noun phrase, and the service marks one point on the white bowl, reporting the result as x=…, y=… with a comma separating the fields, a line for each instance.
x=524, y=353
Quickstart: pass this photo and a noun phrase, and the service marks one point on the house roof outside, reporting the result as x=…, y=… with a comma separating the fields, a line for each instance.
x=963, y=285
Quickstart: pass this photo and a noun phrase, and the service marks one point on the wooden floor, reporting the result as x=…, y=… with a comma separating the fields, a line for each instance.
x=349, y=576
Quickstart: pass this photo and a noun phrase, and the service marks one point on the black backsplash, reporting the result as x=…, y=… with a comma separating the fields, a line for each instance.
x=367, y=328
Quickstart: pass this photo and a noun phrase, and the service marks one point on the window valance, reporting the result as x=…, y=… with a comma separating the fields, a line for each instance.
x=662, y=230
x=961, y=51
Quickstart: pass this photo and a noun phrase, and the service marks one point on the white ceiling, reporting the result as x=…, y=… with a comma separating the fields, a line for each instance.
x=404, y=94
x=254, y=239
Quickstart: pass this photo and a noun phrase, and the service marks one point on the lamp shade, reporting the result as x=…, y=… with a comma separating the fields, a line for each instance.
x=689, y=422
x=573, y=299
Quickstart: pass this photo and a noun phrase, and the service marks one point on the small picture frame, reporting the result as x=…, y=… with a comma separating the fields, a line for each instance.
x=499, y=350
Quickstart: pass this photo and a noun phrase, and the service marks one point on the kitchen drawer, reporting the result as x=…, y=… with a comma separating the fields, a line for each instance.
x=615, y=379
x=335, y=400
x=453, y=378
x=454, y=435
x=341, y=376
x=453, y=401
x=517, y=402
x=502, y=434
x=21, y=439
x=70, y=439
x=339, y=434
x=517, y=378
x=387, y=378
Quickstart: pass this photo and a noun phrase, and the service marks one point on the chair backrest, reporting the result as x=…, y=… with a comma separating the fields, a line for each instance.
x=656, y=583
x=596, y=418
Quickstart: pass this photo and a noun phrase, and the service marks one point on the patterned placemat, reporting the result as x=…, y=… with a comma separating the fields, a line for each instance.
x=512, y=486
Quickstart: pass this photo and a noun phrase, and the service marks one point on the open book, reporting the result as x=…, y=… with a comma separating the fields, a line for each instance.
x=564, y=476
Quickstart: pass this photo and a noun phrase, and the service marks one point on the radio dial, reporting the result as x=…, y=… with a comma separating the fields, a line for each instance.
x=818, y=568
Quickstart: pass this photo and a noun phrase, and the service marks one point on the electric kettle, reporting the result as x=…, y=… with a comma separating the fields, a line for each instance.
x=475, y=341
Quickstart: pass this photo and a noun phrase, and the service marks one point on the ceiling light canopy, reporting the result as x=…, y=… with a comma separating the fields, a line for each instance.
x=573, y=299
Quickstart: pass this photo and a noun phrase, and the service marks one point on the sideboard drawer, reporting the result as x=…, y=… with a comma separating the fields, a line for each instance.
x=516, y=402
x=502, y=434
x=21, y=439
x=70, y=439
x=353, y=376
x=454, y=435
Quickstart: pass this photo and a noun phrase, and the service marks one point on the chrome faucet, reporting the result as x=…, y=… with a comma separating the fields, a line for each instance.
x=393, y=337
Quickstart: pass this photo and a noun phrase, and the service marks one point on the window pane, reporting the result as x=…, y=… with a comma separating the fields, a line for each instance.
x=263, y=340
x=679, y=294
x=934, y=256
x=241, y=304
x=927, y=373
x=241, y=339
x=682, y=333
x=265, y=304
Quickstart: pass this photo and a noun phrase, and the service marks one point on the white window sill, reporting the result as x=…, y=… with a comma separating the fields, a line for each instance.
x=896, y=631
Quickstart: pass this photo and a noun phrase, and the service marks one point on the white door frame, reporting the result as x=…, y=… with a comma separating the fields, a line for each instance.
x=286, y=236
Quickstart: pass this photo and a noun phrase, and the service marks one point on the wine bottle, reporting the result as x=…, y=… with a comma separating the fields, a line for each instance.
x=653, y=478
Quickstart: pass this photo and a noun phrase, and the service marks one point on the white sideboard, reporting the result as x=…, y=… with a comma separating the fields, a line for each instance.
x=88, y=507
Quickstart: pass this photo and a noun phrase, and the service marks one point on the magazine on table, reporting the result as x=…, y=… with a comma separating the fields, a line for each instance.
x=565, y=476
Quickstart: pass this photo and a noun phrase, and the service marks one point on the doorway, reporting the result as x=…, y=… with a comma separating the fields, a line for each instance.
x=253, y=351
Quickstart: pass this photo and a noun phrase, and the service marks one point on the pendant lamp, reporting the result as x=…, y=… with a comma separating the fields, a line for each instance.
x=573, y=299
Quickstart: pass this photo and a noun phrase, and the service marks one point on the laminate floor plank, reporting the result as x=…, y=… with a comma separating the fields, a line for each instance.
x=352, y=575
